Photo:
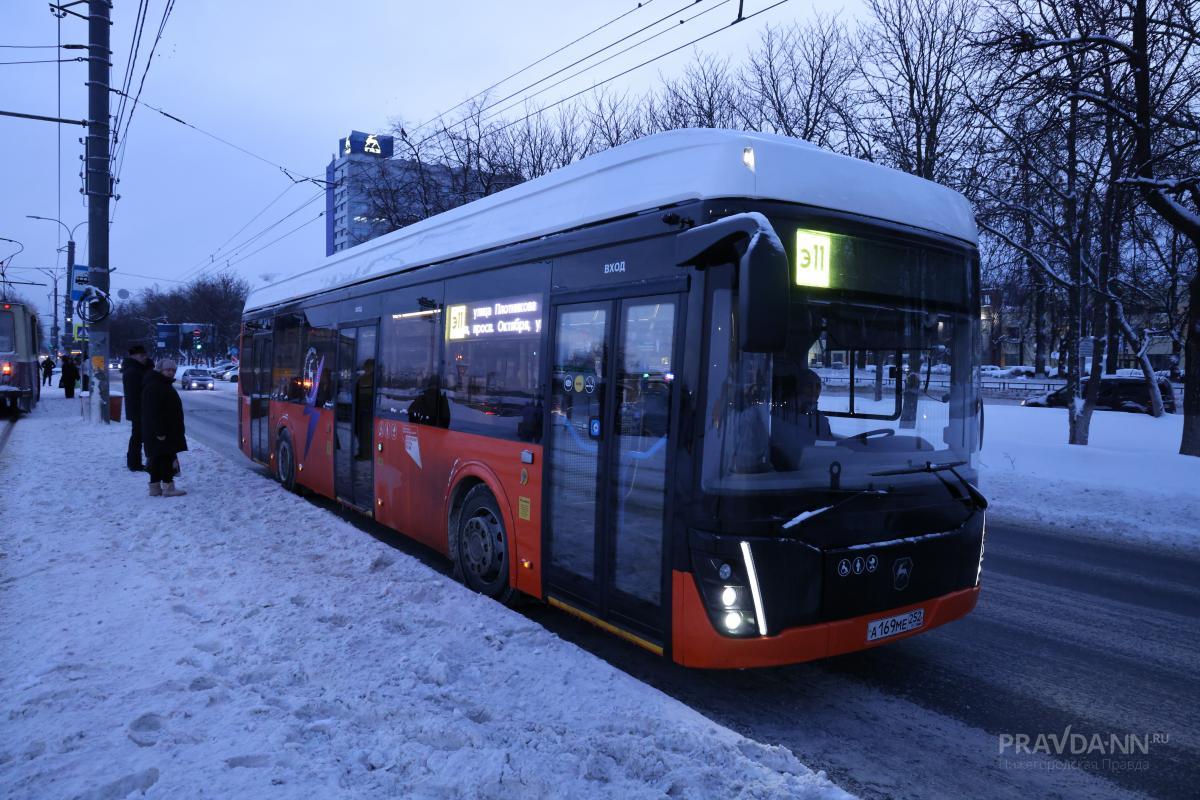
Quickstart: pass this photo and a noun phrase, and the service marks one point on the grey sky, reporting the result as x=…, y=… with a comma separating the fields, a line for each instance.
x=286, y=80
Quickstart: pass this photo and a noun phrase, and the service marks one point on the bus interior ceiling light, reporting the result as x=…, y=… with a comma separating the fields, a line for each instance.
x=754, y=593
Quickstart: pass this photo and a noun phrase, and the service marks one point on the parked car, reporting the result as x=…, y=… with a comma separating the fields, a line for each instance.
x=1117, y=393
x=232, y=375
x=196, y=378
x=221, y=366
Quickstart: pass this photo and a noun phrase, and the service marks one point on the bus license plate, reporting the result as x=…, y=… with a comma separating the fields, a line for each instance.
x=894, y=626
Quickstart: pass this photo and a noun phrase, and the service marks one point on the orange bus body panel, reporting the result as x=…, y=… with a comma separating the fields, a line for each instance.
x=695, y=643
x=314, y=462
x=244, y=413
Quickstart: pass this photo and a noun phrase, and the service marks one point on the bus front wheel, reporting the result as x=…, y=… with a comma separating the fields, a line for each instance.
x=482, y=546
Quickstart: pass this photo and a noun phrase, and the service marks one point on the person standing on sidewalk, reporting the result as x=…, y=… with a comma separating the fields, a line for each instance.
x=70, y=374
x=133, y=374
x=47, y=370
x=162, y=428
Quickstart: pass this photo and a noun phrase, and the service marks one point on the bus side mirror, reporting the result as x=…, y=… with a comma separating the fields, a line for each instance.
x=764, y=287
x=764, y=277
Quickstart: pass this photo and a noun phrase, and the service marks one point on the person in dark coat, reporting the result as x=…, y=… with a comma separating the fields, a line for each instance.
x=133, y=373
x=162, y=428
x=47, y=370
x=70, y=374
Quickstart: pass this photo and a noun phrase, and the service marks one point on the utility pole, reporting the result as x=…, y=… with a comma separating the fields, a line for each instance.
x=52, y=274
x=68, y=335
x=99, y=186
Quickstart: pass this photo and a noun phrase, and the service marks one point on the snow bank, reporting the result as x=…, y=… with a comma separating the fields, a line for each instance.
x=241, y=642
x=1130, y=482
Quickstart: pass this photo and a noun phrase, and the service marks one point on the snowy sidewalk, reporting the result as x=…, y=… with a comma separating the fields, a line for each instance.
x=241, y=642
x=1129, y=483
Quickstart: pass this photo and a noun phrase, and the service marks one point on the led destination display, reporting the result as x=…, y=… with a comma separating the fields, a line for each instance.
x=511, y=316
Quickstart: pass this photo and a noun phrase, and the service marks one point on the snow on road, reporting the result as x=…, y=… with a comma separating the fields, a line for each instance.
x=1128, y=483
x=241, y=642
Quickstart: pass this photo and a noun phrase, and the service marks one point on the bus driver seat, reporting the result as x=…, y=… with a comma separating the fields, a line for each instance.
x=796, y=420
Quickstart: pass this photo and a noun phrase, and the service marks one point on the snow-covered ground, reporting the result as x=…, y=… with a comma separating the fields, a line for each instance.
x=1130, y=482
x=242, y=642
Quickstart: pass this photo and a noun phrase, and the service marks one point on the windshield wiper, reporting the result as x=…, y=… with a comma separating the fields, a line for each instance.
x=805, y=516
x=976, y=496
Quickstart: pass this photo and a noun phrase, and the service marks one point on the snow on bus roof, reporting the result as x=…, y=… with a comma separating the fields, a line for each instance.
x=659, y=170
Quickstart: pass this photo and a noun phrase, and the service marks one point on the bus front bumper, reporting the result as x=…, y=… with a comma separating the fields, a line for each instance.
x=695, y=643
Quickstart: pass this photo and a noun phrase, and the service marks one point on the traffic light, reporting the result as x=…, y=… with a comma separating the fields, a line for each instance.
x=196, y=339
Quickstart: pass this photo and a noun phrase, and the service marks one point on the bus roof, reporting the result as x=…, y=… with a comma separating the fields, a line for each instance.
x=659, y=170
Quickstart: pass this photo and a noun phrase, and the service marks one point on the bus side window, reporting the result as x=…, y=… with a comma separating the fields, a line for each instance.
x=494, y=343
x=319, y=356
x=411, y=330
x=287, y=381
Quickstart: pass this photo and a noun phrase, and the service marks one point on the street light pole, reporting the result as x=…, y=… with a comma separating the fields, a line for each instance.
x=67, y=317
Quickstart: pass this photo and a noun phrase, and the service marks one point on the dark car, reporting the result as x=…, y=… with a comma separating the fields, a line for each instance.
x=1117, y=393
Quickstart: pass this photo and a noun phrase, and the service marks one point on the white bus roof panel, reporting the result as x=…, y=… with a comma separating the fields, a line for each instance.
x=664, y=169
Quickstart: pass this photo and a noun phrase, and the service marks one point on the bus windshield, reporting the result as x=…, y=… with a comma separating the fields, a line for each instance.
x=870, y=382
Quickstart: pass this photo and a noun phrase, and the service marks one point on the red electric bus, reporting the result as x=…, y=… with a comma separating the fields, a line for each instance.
x=712, y=391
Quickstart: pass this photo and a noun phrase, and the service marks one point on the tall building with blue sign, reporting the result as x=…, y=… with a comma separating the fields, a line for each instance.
x=349, y=219
x=369, y=193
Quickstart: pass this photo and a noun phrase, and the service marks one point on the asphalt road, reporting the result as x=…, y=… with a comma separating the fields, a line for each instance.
x=1071, y=636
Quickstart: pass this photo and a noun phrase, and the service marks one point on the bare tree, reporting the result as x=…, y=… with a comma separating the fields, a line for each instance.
x=915, y=57
x=800, y=81
x=1156, y=42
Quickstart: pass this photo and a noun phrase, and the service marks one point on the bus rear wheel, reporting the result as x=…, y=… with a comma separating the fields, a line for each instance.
x=285, y=462
x=482, y=549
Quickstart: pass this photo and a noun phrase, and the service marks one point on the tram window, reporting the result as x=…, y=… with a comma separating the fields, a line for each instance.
x=8, y=332
x=409, y=383
x=493, y=353
x=320, y=352
x=286, y=378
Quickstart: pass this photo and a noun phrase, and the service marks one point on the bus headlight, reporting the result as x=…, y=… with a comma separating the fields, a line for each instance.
x=726, y=590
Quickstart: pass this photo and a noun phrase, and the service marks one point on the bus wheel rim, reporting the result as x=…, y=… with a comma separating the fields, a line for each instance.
x=484, y=544
x=285, y=462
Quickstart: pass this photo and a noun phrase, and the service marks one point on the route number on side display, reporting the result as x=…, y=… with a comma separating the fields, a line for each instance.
x=894, y=626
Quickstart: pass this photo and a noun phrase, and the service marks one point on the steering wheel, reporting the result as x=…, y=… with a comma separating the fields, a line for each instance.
x=881, y=432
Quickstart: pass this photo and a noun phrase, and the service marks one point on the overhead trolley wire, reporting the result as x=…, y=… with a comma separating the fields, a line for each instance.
x=606, y=60
x=44, y=61
x=135, y=45
x=122, y=143
x=212, y=256
x=530, y=66
x=603, y=61
x=625, y=38
x=218, y=258
x=275, y=241
x=292, y=174
x=639, y=66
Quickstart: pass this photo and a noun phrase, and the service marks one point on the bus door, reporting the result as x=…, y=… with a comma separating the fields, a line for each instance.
x=354, y=421
x=260, y=397
x=608, y=456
